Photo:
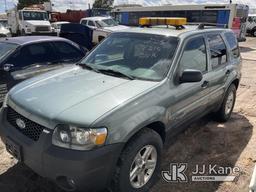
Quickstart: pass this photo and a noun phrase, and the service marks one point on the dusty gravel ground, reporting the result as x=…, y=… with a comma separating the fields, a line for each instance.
x=205, y=142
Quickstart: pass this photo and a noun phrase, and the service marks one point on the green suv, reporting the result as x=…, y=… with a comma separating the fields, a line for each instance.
x=102, y=123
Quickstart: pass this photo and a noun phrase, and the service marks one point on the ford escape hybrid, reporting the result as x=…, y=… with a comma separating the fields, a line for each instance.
x=102, y=123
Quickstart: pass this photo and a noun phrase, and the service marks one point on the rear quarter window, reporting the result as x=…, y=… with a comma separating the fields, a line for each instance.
x=233, y=44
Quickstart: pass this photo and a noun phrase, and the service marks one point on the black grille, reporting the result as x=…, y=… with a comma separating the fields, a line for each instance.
x=31, y=130
x=42, y=28
x=3, y=92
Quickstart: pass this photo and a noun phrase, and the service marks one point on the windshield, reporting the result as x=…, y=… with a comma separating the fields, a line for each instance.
x=107, y=23
x=35, y=15
x=6, y=48
x=142, y=56
x=3, y=24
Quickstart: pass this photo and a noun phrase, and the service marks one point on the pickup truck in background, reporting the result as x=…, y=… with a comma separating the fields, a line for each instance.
x=102, y=27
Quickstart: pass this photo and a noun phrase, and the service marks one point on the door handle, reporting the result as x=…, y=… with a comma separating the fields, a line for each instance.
x=205, y=84
x=228, y=72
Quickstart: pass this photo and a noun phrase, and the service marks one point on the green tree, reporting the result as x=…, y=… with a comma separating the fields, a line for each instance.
x=26, y=3
x=103, y=3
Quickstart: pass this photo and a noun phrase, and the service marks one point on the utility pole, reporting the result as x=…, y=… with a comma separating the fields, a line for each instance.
x=5, y=3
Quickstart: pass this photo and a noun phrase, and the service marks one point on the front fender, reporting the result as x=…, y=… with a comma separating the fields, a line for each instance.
x=122, y=127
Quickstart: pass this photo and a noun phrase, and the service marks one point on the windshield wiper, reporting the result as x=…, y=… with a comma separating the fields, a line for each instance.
x=116, y=73
x=89, y=67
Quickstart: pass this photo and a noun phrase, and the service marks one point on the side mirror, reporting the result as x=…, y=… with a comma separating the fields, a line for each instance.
x=7, y=67
x=190, y=76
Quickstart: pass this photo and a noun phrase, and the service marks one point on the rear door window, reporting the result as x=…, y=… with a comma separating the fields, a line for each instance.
x=67, y=52
x=233, y=44
x=218, y=51
x=84, y=22
x=91, y=23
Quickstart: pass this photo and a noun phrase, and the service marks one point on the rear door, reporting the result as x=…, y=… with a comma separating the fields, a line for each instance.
x=219, y=71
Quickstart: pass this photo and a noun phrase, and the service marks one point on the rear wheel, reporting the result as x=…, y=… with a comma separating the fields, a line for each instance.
x=23, y=33
x=139, y=163
x=228, y=104
x=101, y=38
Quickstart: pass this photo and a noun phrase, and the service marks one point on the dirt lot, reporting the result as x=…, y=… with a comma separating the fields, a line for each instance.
x=205, y=142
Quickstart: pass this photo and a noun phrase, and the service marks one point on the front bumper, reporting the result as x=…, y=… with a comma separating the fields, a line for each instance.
x=89, y=170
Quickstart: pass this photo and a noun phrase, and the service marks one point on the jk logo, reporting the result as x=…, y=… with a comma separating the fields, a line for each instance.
x=176, y=173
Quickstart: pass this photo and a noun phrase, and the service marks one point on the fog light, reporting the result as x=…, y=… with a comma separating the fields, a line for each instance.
x=71, y=182
x=68, y=184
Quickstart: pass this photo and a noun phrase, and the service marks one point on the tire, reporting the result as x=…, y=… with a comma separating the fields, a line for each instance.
x=145, y=140
x=227, y=106
x=23, y=33
x=254, y=32
x=101, y=38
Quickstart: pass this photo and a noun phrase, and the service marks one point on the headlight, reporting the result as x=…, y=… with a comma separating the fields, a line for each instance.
x=78, y=138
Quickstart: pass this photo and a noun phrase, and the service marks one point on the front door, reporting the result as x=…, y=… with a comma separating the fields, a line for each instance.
x=191, y=98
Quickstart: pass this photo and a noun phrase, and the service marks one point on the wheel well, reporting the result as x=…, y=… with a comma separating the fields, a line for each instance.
x=236, y=83
x=101, y=38
x=158, y=127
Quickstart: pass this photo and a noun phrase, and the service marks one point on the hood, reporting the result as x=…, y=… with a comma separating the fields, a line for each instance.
x=75, y=95
x=38, y=23
x=116, y=28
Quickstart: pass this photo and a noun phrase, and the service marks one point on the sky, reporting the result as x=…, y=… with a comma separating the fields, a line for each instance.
x=62, y=5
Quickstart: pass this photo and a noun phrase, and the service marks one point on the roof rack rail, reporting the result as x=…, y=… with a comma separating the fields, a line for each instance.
x=217, y=25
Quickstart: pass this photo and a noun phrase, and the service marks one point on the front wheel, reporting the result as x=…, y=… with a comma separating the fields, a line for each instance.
x=228, y=104
x=139, y=163
x=254, y=32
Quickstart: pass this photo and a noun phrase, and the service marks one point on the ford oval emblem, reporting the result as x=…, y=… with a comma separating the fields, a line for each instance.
x=20, y=123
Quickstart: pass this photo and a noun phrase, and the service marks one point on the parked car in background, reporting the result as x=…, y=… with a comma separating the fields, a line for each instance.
x=4, y=31
x=102, y=124
x=25, y=57
x=56, y=26
x=251, y=25
x=102, y=27
x=80, y=34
